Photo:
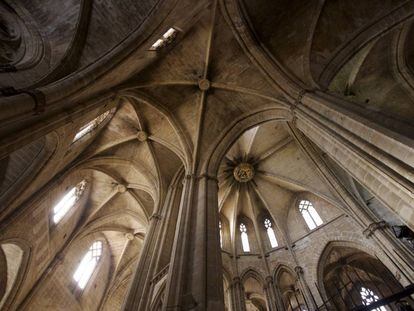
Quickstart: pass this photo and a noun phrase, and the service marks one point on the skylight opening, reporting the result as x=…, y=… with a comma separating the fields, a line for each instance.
x=166, y=39
x=68, y=201
x=88, y=264
x=90, y=126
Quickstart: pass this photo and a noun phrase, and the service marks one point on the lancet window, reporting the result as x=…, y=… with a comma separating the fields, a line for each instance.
x=244, y=238
x=270, y=233
x=68, y=201
x=91, y=125
x=88, y=264
x=310, y=215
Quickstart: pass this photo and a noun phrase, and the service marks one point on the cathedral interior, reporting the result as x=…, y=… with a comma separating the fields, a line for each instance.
x=239, y=155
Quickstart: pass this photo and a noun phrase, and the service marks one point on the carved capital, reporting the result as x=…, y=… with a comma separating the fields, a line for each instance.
x=209, y=177
x=299, y=270
x=155, y=216
x=379, y=225
x=236, y=280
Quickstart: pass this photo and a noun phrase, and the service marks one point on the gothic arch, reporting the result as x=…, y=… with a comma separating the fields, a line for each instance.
x=20, y=168
x=15, y=256
x=287, y=284
x=332, y=259
x=253, y=286
x=252, y=272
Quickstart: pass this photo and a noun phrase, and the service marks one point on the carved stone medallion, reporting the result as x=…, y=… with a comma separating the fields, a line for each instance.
x=243, y=172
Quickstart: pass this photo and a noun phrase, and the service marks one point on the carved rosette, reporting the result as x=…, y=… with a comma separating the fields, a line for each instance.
x=243, y=172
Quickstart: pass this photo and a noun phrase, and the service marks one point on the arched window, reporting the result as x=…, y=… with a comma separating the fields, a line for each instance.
x=88, y=264
x=91, y=125
x=68, y=201
x=310, y=215
x=270, y=233
x=368, y=297
x=244, y=238
x=221, y=235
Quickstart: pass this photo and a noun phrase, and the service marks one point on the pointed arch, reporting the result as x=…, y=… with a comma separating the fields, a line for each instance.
x=251, y=272
x=344, y=262
x=15, y=254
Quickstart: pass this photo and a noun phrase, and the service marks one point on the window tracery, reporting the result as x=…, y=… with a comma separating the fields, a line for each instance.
x=91, y=125
x=88, y=264
x=368, y=297
x=68, y=201
x=244, y=238
x=310, y=215
x=270, y=233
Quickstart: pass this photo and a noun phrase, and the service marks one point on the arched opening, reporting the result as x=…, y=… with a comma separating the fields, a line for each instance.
x=21, y=167
x=255, y=297
x=290, y=291
x=351, y=277
x=13, y=261
x=3, y=273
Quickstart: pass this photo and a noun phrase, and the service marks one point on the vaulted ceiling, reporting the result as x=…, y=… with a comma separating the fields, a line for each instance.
x=174, y=106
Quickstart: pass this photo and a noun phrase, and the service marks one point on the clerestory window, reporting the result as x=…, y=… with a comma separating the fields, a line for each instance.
x=310, y=215
x=68, y=201
x=166, y=39
x=270, y=233
x=88, y=264
x=91, y=125
x=244, y=238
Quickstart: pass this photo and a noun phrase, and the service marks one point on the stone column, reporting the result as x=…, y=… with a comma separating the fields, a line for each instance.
x=237, y=295
x=142, y=277
x=307, y=295
x=195, y=276
x=279, y=298
x=271, y=294
x=138, y=294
